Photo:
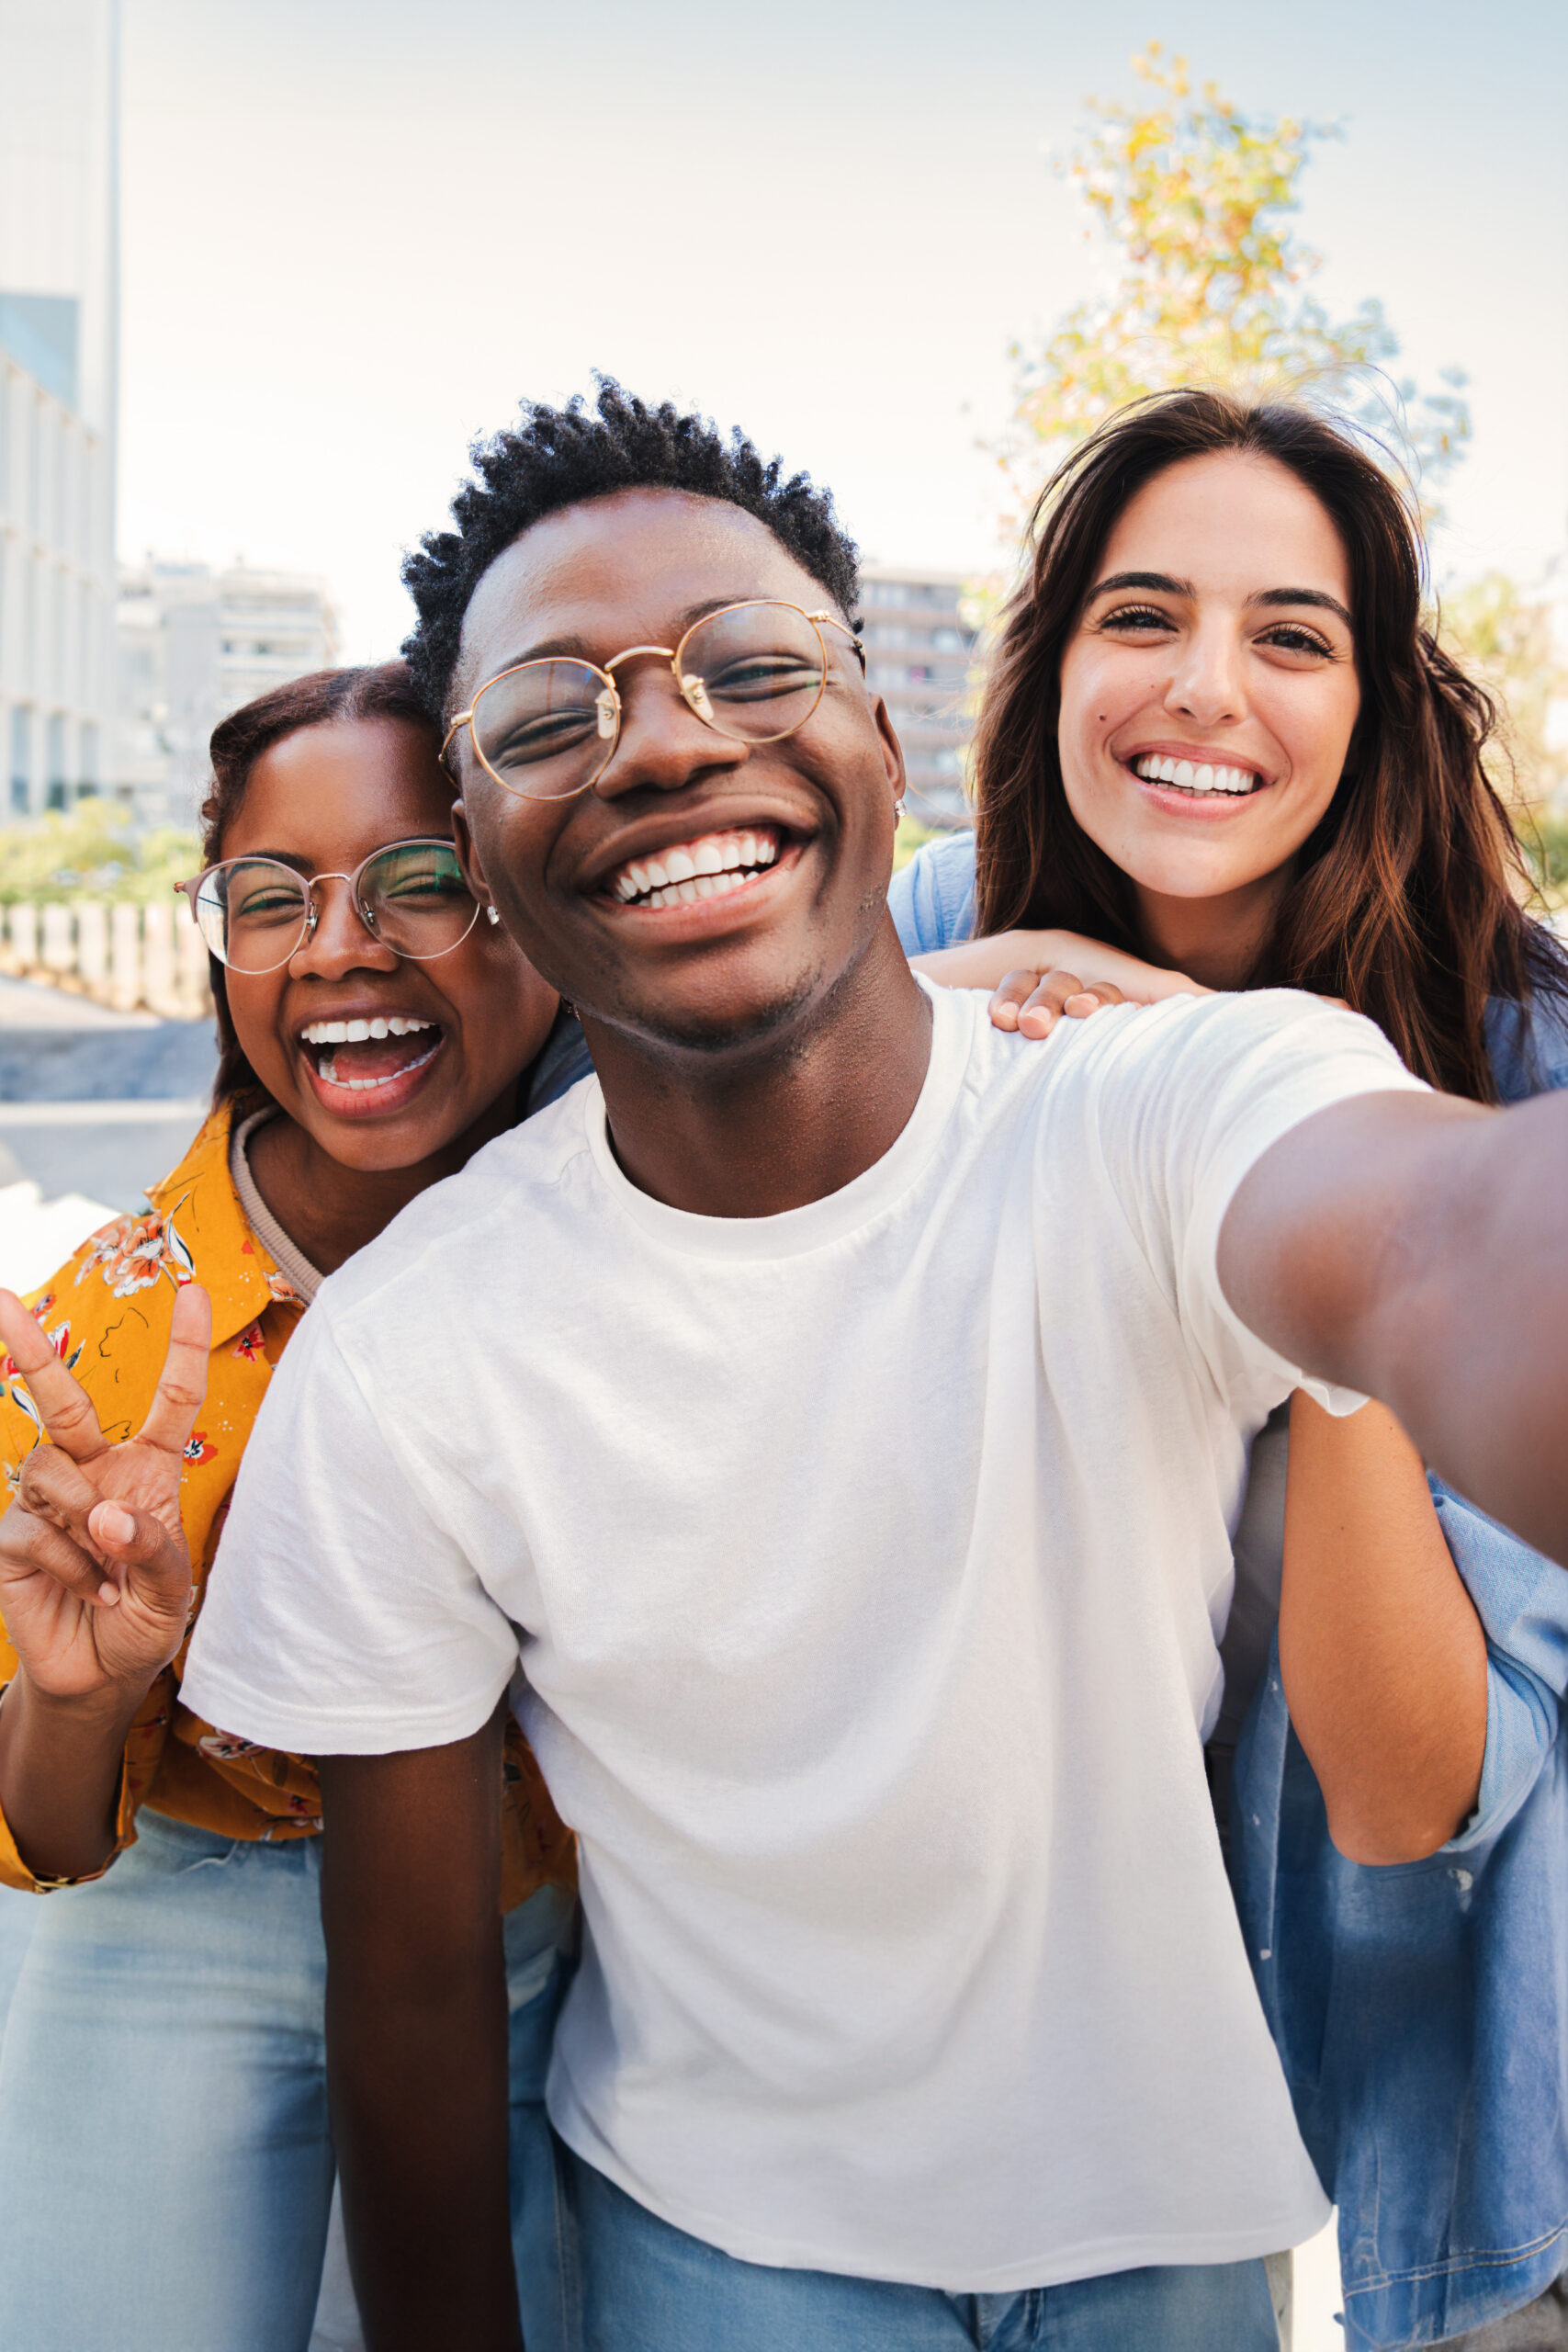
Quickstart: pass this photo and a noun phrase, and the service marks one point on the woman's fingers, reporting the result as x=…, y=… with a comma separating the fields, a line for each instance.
x=34, y=1546
x=1031, y=1002
x=1009, y=997
x=64, y=1406
x=98, y=1551
x=56, y=1496
x=183, y=1383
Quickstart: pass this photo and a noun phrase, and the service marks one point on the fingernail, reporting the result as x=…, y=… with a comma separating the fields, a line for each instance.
x=115, y=1526
x=109, y=1596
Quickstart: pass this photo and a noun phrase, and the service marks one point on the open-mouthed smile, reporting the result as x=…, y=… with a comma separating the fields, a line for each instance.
x=1196, y=779
x=370, y=1055
x=709, y=865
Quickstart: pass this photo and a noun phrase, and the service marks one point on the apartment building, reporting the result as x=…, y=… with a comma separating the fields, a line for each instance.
x=192, y=645
x=919, y=652
x=58, y=324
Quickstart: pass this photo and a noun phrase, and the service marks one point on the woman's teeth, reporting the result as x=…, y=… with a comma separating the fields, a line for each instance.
x=357, y=1032
x=1186, y=777
x=707, y=868
x=326, y=1037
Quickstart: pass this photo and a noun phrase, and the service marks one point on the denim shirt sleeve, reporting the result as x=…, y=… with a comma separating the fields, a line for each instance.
x=1401, y=1999
x=932, y=899
x=1528, y=1046
x=1521, y=1598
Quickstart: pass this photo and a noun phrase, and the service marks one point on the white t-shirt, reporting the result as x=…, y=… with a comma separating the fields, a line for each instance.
x=864, y=1565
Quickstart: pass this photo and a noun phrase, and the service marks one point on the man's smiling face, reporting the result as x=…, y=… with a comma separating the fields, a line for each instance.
x=800, y=830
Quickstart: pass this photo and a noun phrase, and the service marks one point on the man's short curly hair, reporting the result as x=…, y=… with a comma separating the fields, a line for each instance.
x=561, y=457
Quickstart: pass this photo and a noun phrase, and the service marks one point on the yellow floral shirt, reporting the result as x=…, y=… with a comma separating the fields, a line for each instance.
x=106, y=1314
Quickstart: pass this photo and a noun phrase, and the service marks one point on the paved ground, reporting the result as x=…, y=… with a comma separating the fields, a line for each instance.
x=94, y=1106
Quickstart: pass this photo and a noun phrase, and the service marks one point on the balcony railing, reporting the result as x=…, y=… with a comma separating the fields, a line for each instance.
x=137, y=957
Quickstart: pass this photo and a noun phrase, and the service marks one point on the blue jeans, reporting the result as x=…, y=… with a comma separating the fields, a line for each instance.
x=18, y=1917
x=650, y=2287
x=166, y=2165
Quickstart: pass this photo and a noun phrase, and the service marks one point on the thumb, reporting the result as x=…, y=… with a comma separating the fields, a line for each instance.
x=135, y=1539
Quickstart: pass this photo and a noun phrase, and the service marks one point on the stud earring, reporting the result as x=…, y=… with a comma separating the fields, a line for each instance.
x=490, y=912
x=898, y=809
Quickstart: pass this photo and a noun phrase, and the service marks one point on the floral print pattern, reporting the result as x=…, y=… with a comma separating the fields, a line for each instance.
x=132, y=1253
x=121, y=1288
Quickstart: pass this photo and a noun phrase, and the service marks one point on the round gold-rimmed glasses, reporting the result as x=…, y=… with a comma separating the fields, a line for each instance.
x=754, y=671
x=255, y=912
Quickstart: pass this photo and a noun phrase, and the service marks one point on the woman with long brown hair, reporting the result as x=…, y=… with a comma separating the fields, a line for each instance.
x=1220, y=747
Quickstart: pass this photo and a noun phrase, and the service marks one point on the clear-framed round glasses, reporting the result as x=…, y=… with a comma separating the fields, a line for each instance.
x=754, y=671
x=254, y=912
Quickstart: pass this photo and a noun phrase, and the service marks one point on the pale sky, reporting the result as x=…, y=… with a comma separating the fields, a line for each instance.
x=356, y=231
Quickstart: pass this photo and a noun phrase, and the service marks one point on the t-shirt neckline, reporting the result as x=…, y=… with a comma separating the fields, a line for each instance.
x=854, y=1205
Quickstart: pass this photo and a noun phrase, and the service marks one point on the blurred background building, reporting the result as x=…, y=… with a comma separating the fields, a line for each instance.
x=919, y=651
x=192, y=645
x=59, y=338
x=111, y=683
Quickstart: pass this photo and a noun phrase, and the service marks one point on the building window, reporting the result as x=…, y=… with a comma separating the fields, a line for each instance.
x=88, y=789
x=55, y=796
x=21, y=760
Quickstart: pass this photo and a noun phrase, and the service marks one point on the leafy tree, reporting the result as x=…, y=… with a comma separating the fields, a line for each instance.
x=1196, y=198
x=1505, y=635
x=89, y=854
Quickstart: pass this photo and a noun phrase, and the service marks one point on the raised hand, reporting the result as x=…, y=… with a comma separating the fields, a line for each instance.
x=94, y=1572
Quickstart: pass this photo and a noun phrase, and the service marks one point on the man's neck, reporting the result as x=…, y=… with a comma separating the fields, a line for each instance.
x=783, y=1123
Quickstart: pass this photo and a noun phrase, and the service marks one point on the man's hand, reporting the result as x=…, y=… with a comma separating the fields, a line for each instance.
x=1417, y=1248
x=94, y=1572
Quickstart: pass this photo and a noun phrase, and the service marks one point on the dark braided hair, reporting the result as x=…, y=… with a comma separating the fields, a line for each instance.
x=562, y=457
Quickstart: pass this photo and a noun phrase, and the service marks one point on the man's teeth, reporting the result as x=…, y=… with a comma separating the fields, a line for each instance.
x=359, y=1032
x=707, y=868
x=1186, y=777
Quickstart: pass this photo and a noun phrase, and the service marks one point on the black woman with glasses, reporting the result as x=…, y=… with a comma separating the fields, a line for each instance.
x=167, y=2163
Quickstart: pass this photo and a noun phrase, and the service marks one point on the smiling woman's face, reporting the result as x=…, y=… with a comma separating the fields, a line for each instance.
x=469, y=1021
x=1209, y=692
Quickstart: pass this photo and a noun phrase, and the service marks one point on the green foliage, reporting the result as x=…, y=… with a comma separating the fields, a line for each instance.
x=1545, y=838
x=89, y=854
x=911, y=835
x=1505, y=636
x=1196, y=196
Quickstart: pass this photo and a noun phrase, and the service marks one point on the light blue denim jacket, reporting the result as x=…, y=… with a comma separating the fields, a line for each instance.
x=1421, y=2011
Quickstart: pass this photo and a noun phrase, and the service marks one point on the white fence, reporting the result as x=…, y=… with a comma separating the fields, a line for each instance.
x=117, y=951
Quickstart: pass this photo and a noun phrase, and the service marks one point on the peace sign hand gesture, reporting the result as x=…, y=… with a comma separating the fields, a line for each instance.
x=95, y=1574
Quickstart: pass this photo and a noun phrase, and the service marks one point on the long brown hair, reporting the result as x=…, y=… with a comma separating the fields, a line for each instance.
x=1407, y=901
x=325, y=697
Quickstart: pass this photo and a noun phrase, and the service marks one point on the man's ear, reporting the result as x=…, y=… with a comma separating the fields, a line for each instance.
x=892, y=752
x=468, y=855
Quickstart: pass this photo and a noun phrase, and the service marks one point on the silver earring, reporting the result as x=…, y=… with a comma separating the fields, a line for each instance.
x=492, y=915
x=898, y=809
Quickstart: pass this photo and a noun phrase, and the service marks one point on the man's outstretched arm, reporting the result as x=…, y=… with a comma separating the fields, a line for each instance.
x=1417, y=1248
x=417, y=2041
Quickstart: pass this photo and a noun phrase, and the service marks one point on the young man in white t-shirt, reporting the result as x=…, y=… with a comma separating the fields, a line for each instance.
x=825, y=1426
